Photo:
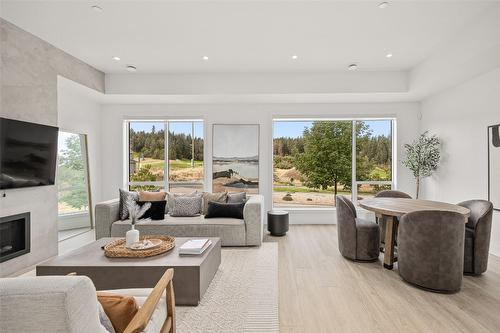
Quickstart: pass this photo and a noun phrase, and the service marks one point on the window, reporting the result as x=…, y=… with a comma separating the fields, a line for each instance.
x=373, y=157
x=313, y=160
x=151, y=142
x=72, y=184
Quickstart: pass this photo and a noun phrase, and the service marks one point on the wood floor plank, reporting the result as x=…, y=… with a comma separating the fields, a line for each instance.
x=320, y=291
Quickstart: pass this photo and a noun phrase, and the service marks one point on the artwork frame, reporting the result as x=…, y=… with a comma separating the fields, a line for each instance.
x=236, y=158
x=494, y=164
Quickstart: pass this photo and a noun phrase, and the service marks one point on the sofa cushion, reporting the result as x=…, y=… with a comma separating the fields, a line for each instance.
x=232, y=232
x=231, y=210
x=236, y=197
x=156, y=211
x=119, y=308
x=212, y=197
x=125, y=196
x=59, y=303
x=151, y=196
x=140, y=295
x=185, y=206
x=171, y=196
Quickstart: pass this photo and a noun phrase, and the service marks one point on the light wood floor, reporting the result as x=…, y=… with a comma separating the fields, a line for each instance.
x=320, y=291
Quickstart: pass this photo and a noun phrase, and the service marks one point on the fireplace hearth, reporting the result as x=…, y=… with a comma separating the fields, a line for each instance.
x=14, y=236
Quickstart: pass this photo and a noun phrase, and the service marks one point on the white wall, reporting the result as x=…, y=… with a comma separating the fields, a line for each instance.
x=29, y=68
x=79, y=114
x=460, y=116
x=114, y=115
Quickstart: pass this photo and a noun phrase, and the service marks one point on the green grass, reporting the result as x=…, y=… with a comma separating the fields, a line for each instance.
x=184, y=164
x=379, y=173
x=174, y=164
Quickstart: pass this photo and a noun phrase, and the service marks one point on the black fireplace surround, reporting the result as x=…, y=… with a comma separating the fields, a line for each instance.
x=14, y=236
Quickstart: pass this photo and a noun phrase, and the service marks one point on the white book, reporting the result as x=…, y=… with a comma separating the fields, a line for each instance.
x=195, y=246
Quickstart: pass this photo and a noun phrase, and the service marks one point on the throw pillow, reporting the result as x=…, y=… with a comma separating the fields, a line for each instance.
x=120, y=309
x=104, y=319
x=186, y=206
x=151, y=196
x=124, y=197
x=217, y=209
x=156, y=211
x=171, y=195
x=212, y=197
x=236, y=197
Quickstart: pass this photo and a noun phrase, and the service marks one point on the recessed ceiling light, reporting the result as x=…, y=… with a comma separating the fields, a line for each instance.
x=131, y=68
x=116, y=58
x=352, y=67
x=97, y=8
x=205, y=58
x=388, y=55
x=295, y=57
x=383, y=5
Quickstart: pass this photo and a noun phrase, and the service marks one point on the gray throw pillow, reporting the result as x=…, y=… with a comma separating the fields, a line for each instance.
x=104, y=319
x=237, y=197
x=186, y=206
x=170, y=196
x=212, y=197
x=124, y=197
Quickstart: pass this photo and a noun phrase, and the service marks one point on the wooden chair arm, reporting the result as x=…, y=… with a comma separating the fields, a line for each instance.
x=143, y=316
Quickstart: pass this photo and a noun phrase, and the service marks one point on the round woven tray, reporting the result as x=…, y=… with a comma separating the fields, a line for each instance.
x=117, y=249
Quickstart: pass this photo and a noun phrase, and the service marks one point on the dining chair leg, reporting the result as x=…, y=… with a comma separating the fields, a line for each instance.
x=391, y=229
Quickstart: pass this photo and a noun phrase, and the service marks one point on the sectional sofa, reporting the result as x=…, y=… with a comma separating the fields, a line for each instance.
x=232, y=232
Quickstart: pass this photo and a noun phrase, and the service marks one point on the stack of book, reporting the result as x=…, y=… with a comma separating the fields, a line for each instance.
x=195, y=246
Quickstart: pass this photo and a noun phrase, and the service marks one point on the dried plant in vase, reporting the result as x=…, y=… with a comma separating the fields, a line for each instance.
x=135, y=212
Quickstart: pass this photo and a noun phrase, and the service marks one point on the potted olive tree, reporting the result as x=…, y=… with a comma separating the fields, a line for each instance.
x=422, y=157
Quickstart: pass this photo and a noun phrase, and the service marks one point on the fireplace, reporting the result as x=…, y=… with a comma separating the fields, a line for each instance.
x=14, y=236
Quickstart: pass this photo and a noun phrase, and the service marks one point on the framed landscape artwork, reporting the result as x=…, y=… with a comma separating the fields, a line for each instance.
x=494, y=165
x=235, y=161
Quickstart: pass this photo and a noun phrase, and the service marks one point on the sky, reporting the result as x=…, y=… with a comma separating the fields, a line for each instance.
x=176, y=127
x=294, y=129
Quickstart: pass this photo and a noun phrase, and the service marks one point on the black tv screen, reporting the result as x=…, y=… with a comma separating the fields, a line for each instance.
x=28, y=154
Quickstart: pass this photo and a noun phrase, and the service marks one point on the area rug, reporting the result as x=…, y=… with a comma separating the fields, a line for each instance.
x=243, y=296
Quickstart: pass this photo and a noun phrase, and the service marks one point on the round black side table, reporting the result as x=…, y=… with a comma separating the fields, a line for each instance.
x=277, y=222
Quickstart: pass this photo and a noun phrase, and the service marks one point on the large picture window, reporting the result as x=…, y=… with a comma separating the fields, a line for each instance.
x=313, y=160
x=165, y=155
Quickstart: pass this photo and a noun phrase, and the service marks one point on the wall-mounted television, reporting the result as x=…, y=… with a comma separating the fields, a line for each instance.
x=28, y=154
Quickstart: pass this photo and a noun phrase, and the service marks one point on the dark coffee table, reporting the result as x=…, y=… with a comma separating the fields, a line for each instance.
x=192, y=274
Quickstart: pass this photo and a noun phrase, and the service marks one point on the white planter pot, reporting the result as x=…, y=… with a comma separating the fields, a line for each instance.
x=131, y=236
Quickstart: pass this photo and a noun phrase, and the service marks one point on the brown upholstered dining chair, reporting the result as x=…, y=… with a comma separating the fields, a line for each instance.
x=358, y=239
x=430, y=250
x=381, y=221
x=477, y=236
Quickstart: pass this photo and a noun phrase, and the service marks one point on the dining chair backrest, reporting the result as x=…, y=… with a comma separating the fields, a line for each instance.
x=431, y=249
x=392, y=194
x=481, y=211
x=346, y=226
x=479, y=224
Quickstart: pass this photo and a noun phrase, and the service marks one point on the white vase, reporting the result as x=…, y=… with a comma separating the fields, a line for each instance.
x=131, y=236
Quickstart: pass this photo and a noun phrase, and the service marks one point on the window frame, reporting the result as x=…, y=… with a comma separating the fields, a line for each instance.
x=354, y=181
x=165, y=183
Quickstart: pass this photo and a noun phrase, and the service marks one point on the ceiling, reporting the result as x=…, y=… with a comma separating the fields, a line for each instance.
x=245, y=36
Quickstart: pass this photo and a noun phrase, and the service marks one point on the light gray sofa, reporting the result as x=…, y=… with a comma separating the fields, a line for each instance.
x=232, y=232
x=59, y=304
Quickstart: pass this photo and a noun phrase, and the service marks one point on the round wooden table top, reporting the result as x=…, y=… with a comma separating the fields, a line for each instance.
x=400, y=206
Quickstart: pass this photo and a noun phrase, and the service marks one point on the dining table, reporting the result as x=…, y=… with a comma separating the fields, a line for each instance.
x=391, y=209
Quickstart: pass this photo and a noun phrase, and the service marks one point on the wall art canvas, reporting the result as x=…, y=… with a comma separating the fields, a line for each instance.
x=494, y=165
x=235, y=163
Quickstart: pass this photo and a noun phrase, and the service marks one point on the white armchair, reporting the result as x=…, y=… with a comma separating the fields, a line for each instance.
x=58, y=304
